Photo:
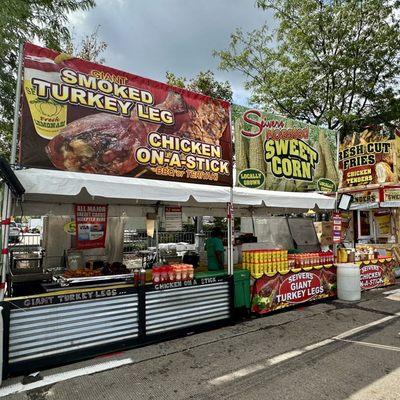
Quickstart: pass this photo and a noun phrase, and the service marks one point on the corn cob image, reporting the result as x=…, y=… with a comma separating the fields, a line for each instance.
x=331, y=172
x=256, y=155
x=241, y=147
x=320, y=170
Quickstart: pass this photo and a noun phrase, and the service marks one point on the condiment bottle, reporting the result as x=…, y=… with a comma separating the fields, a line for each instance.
x=142, y=277
x=163, y=274
x=184, y=272
x=136, y=274
x=156, y=275
x=171, y=274
x=178, y=273
x=191, y=272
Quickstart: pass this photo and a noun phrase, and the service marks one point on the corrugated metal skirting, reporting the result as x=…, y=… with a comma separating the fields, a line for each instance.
x=55, y=329
x=183, y=307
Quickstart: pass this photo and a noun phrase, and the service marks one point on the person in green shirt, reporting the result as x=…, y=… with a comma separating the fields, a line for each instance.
x=215, y=250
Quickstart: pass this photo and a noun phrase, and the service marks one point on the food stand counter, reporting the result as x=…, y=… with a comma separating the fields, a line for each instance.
x=281, y=280
x=73, y=324
x=376, y=273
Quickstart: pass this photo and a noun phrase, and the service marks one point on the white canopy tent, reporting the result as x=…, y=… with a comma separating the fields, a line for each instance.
x=274, y=200
x=55, y=191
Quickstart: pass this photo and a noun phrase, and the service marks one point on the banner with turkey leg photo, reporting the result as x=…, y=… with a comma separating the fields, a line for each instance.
x=85, y=117
x=270, y=293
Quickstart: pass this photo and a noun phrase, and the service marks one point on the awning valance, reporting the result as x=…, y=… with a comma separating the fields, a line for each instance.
x=61, y=187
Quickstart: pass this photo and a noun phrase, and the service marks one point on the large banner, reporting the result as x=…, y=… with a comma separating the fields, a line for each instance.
x=85, y=117
x=277, y=153
x=367, y=158
x=270, y=293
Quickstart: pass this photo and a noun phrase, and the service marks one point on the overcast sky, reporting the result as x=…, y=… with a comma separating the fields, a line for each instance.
x=150, y=37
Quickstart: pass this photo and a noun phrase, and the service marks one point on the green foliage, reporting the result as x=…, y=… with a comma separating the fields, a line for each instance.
x=90, y=48
x=203, y=82
x=329, y=63
x=42, y=21
x=174, y=80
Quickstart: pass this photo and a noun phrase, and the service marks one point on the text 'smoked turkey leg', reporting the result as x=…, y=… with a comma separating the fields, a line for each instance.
x=104, y=143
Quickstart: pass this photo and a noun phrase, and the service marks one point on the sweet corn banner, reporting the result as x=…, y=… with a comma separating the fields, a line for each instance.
x=85, y=117
x=367, y=158
x=277, y=153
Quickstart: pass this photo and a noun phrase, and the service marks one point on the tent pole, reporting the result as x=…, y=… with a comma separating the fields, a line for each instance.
x=157, y=237
x=16, y=108
x=230, y=234
x=7, y=199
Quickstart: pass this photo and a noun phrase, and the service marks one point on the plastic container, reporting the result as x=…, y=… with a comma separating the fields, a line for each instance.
x=348, y=282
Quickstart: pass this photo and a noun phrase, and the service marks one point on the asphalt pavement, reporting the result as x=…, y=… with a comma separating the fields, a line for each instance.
x=332, y=350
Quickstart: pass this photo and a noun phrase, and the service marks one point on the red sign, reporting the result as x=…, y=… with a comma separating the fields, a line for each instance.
x=377, y=274
x=84, y=117
x=371, y=276
x=91, y=225
x=280, y=291
x=300, y=287
x=337, y=227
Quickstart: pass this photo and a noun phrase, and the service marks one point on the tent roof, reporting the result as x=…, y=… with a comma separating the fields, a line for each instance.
x=283, y=200
x=55, y=184
x=59, y=186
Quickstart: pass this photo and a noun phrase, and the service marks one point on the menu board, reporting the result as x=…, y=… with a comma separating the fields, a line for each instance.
x=173, y=218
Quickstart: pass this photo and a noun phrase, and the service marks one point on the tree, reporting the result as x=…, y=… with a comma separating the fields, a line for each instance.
x=90, y=48
x=41, y=21
x=203, y=82
x=328, y=63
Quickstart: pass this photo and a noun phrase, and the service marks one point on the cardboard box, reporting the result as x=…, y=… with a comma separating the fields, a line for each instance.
x=324, y=232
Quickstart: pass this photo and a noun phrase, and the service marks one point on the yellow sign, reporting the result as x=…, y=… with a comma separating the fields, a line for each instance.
x=70, y=228
x=383, y=223
x=391, y=195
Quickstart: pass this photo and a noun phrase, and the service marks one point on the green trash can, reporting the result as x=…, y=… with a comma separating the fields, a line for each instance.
x=241, y=279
